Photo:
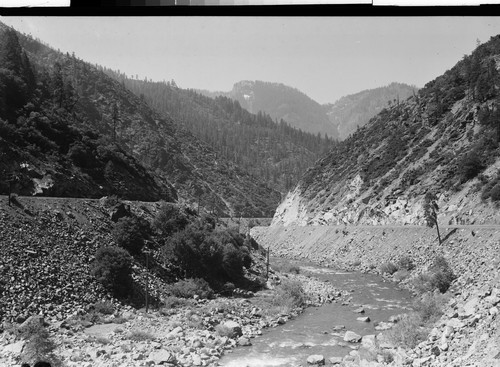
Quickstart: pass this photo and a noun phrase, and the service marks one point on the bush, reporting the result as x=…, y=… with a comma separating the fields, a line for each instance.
x=286, y=267
x=170, y=219
x=111, y=201
x=39, y=345
x=232, y=261
x=112, y=268
x=139, y=335
x=105, y=308
x=406, y=263
x=130, y=233
x=442, y=274
x=290, y=294
x=388, y=268
x=429, y=307
x=188, y=288
x=440, y=277
x=408, y=332
x=174, y=302
x=470, y=166
x=217, y=256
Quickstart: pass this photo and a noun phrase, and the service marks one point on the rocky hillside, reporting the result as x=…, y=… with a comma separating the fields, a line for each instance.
x=442, y=140
x=70, y=130
x=282, y=102
x=355, y=110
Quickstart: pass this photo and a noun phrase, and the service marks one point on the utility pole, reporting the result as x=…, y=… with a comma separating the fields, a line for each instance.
x=267, y=264
x=147, y=279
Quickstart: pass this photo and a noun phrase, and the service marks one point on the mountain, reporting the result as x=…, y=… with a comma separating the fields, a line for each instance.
x=444, y=140
x=355, y=110
x=281, y=102
x=68, y=129
x=276, y=152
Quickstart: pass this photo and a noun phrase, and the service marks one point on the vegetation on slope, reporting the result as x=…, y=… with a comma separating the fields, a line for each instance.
x=281, y=102
x=355, y=110
x=78, y=132
x=272, y=150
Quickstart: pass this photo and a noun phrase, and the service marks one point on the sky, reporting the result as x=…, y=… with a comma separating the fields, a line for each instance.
x=324, y=57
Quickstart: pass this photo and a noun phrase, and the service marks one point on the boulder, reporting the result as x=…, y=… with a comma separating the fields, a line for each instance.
x=162, y=357
x=335, y=360
x=316, y=359
x=363, y=319
x=352, y=337
x=244, y=342
x=369, y=342
x=234, y=329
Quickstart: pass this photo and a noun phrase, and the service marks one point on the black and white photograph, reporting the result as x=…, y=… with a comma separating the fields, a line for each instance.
x=249, y=191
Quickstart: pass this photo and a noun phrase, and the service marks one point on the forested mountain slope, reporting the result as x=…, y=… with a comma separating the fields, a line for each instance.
x=77, y=132
x=281, y=102
x=270, y=150
x=444, y=140
x=355, y=110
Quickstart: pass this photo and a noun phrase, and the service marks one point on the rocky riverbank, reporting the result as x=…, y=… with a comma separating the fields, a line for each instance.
x=195, y=332
x=468, y=333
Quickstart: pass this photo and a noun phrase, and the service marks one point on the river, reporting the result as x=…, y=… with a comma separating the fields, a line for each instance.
x=320, y=330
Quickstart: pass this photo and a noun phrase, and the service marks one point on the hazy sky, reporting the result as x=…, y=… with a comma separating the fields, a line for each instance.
x=325, y=57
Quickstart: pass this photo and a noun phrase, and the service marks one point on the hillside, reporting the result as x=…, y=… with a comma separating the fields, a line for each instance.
x=281, y=102
x=355, y=110
x=275, y=152
x=78, y=132
x=443, y=140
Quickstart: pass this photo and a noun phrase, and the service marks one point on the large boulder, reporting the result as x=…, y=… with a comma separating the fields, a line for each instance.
x=162, y=357
x=352, y=337
x=233, y=329
x=316, y=359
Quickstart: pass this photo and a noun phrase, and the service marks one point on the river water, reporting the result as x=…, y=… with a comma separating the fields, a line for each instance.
x=315, y=331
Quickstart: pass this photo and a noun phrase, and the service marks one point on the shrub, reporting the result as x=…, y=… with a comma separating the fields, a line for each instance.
x=389, y=268
x=440, y=277
x=408, y=332
x=188, y=288
x=470, y=166
x=495, y=193
x=139, y=335
x=406, y=263
x=39, y=345
x=105, y=308
x=130, y=233
x=442, y=274
x=170, y=219
x=112, y=268
x=174, y=302
x=217, y=256
x=290, y=294
x=232, y=261
x=111, y=201
x=429, y=307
